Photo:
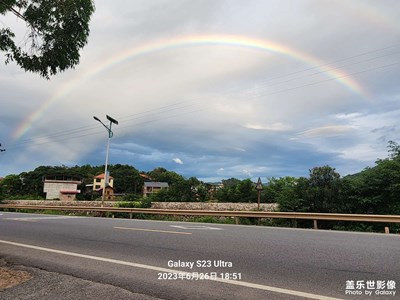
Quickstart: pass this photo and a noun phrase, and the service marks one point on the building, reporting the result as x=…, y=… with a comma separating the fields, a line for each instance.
x=62, y=187
x=109, y=194
x=98, y=182
x=151, y=187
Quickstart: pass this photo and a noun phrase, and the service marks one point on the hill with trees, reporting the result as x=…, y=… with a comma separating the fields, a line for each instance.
x=375, y=190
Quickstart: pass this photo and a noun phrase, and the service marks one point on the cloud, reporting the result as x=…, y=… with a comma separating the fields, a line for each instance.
x=273, y=127
x=328, y=130
x=215, y=110
x=178, y=161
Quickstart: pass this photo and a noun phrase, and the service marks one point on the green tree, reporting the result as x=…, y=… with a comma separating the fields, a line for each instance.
x=181, y=190
x=323, y=189
x=291, y=195
x=287, y=192
x=246, y=191
x=377, y=189
x=126, y=179
x=10, y=187
x=58, y=29
x=163, y=175
x=235, y=190
x=275, y=186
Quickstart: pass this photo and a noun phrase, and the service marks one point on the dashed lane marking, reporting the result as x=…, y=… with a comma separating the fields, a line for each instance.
x=33, y=219
x=153, y=230
x=196, y=227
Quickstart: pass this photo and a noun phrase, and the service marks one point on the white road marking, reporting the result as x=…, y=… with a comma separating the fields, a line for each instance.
x=196, y=227
x=152, y=230
x=159, y=269
x=40, y=218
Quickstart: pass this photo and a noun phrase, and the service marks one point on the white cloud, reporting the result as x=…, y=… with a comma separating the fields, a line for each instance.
x=273, y=127
x=325, y=131
x=178, y=161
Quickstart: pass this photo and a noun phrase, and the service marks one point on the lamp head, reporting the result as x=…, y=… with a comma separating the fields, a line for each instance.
x=112, y=120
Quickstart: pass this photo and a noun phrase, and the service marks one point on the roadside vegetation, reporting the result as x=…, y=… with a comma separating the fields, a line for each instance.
x=375, y=190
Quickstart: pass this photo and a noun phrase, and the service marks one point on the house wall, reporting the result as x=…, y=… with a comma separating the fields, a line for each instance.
x=52, y=189
x=100, y=184
x=68, y=197
x=149, y=189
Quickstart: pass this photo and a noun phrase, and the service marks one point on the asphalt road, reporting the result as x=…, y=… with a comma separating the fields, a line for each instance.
x=176, y=260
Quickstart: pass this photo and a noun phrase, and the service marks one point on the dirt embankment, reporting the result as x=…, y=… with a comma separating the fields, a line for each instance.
x=10, y=277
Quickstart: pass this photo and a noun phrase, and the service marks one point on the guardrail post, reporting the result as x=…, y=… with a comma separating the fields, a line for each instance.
x=294, y=223
x=315, y=224
x=387, y=230
x=130, y=215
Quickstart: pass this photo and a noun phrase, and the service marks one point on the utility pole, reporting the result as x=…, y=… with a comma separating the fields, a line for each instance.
x=259, y=188
x=110, y=135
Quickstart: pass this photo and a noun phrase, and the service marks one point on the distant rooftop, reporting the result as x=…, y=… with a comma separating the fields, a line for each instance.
x=62, y=177
x=156, y=184
x=101, y=176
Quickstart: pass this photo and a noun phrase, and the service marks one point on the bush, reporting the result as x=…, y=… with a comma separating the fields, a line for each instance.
x=141, y=203
x=128, y=204
x=131, y=197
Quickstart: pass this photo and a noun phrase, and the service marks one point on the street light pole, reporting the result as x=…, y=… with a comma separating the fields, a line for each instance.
x=259, y=188
x=110, y=135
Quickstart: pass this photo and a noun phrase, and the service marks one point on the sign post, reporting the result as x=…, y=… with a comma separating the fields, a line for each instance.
x=259, y=188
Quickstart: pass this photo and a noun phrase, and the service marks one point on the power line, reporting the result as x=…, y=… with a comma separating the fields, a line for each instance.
x=93, y=127
x=57, y=139
x=182, y=104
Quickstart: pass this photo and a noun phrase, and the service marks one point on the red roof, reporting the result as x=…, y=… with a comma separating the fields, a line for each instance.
x=101, y=176
x=144, y=176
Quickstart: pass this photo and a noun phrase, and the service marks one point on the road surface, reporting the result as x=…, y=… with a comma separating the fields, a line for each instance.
x=178, y=260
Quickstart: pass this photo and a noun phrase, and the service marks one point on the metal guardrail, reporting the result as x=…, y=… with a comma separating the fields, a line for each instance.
x=250, y=214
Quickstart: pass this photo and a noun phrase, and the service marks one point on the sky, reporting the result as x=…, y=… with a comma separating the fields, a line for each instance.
x=214, y=89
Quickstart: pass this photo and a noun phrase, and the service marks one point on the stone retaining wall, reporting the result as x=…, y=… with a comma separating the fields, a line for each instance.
x=157, y=205
x=214, y=206
x=59, y=203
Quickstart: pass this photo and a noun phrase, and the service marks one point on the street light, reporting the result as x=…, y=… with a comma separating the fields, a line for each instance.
x=110, y=135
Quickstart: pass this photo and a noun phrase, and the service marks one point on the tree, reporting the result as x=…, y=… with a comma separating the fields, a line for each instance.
x=235, y=190
x=163, y=175
x=275, y=187
x=182, y=190
x=127, y=179
x=287, y=192
x=10, y=186
x=58, y=29
x=323, y=189
x=291, y=194
x=246, y=191
x=378, y=188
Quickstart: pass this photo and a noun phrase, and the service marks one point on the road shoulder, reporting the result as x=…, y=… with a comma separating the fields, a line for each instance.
x=21, y=282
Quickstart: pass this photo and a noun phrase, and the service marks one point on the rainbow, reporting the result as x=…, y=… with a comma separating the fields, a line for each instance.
x=191, y=41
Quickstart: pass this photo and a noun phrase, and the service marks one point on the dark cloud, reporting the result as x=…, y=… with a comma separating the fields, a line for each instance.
x=216, y=110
